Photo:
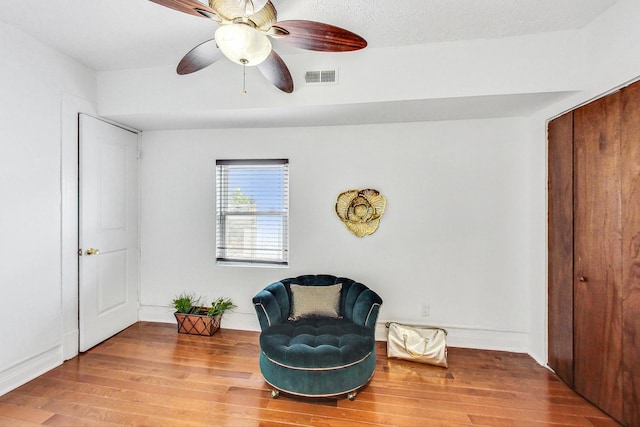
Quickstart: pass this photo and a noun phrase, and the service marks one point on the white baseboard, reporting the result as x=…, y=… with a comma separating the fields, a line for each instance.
x=155, y=313
x=70, y=345
x=483, y=339
x=542, y=360
x=29, y=369
x=230, y=319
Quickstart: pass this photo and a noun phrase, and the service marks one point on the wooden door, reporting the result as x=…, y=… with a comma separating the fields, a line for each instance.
x=560, y=241
x=630, y=180
x=108, y=267
x=598, y=254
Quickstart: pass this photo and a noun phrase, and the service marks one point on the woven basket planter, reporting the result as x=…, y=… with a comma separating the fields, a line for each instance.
x=196, y=322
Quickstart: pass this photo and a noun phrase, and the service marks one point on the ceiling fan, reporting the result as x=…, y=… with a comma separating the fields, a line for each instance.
x=243, y=36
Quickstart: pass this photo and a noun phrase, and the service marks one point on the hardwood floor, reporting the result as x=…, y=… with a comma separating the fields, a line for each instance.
x=149, y=375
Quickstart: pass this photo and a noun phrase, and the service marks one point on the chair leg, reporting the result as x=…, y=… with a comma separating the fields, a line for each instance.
x=275, y=393
x=352, y=395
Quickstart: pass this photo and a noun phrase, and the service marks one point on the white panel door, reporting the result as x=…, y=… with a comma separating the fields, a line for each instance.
x=108, y=232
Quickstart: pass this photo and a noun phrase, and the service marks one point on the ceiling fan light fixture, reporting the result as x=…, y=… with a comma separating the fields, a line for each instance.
x=243, y=44
x=251, y=6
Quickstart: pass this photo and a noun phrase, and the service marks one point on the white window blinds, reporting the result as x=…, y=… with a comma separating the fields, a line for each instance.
x=252, y=212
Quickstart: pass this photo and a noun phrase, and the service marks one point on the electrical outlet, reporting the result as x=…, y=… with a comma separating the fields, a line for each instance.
x=425, y=309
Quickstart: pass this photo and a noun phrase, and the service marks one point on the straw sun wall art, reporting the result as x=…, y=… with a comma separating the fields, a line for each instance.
x=361, y=210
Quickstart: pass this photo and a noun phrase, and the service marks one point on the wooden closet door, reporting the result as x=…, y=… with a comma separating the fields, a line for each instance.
x=630, y=177
x=560, y=241
x=598, y=254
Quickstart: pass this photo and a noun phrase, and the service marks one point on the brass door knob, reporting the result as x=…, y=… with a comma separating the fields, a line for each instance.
x=92, y=251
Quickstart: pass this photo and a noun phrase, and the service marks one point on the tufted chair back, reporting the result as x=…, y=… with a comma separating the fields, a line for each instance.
x=358, y=303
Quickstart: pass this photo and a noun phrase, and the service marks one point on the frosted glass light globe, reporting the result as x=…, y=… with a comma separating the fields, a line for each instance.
x=243, y=44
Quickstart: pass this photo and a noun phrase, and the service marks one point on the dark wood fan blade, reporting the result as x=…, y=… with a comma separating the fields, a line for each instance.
x=192, y=7
x=275, y=70
x=312, y=35
x=199, y=57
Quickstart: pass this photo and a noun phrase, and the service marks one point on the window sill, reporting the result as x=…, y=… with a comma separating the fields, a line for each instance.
x=250, y=264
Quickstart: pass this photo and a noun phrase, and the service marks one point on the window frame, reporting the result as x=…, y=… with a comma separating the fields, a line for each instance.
x=222, y=197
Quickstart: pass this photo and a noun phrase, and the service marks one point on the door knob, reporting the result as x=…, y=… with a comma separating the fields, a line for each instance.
x=582, y=279
x=92, y=251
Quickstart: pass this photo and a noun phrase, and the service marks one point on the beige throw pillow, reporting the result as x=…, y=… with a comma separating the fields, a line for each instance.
x=315, y=301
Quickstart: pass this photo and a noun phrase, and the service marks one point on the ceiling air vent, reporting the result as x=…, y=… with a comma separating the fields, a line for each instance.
x=325, y=77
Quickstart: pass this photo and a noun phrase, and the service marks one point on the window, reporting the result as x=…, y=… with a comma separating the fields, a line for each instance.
x=252, y=211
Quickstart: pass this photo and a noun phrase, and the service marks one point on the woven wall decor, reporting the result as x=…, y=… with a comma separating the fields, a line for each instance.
x=360, y=210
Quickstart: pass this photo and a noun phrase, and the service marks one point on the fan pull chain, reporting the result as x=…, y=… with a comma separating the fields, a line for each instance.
x=244, y=75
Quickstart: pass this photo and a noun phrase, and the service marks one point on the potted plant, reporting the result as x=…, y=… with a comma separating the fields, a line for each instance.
x=194, y=318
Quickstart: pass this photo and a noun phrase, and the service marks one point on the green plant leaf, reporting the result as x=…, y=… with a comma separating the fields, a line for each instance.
x=220, y=305
x=182, y=303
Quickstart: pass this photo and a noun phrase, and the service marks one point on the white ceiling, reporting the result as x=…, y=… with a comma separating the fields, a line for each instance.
x=120, y=34
x=123, y=34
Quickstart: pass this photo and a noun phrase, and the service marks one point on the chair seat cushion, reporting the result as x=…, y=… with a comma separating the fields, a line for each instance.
x=317, y=343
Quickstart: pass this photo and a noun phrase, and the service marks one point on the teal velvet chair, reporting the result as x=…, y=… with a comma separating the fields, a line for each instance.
x=318, y=353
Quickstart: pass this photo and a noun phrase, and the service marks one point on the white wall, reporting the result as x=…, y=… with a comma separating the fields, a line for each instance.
x=452, y=234
x=33, y=79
